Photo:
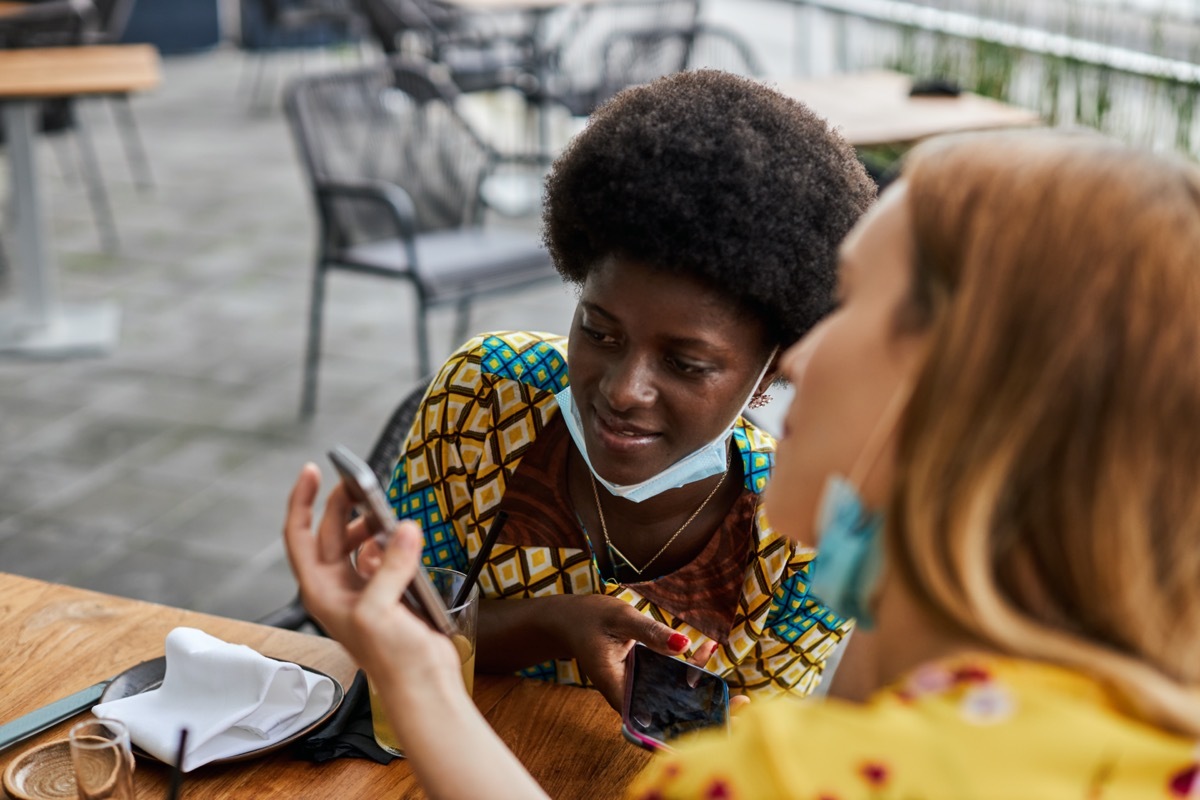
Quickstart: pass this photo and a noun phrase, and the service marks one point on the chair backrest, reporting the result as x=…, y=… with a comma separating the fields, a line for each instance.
x=390, y=20
x=635, y=57
x=58, y=23
x=394, y=123
x=112, y=17
x=390, y=442
x=578, y=57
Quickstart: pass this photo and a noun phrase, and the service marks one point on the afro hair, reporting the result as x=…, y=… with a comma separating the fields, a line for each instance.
x=718, y=177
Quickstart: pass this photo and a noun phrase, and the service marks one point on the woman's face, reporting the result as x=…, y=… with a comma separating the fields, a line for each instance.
x=660, y=365
x=846, y=373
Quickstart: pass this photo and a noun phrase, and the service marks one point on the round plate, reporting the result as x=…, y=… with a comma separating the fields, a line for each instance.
x=149, y=675
x=42, y=773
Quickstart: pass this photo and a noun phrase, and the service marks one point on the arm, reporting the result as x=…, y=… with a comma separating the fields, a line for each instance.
x=594, y=629
x=422, y=692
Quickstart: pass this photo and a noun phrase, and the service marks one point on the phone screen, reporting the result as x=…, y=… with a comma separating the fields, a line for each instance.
x=666, y=697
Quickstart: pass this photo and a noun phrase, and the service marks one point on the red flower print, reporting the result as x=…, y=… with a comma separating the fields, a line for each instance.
x=971, y=674
x=1182, y=782
x=719, y=790
x=653, y=794
x=874, y=773
x=671, y=771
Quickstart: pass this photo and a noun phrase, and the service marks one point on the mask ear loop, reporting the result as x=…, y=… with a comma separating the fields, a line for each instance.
x=885, y=426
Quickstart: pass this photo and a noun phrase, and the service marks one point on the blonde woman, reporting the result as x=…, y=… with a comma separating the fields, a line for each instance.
x=994, y=440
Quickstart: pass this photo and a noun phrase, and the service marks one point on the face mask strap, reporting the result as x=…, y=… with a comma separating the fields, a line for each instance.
x=885, y=426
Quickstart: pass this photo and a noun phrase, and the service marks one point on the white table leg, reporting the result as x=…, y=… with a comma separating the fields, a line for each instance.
x=39, y=326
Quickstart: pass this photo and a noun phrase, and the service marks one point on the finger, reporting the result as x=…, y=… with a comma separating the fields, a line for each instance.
x=703, y=653
x=297, y=526
x=738, y=703
x=399, y=564
x=338, y=537
x=369, y=556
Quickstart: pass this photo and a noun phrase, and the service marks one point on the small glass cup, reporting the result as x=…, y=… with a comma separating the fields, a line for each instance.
x=447, y=582
x=102, y=759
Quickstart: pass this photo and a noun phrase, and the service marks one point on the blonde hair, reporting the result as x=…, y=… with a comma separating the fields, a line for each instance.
x=1048, y=478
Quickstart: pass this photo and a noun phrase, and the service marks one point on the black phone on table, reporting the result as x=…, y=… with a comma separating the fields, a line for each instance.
x=666, y=697
x=367, y=495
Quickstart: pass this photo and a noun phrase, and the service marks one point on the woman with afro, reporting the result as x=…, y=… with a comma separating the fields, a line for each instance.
x=699, y=218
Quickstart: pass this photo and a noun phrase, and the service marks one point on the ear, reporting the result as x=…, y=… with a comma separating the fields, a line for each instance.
x=771, y=375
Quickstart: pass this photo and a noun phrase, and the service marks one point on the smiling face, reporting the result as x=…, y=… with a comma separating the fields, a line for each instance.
x=660, y=365
x=847, y=372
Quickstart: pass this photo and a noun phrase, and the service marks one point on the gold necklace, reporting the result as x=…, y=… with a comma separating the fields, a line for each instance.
x=612, y=547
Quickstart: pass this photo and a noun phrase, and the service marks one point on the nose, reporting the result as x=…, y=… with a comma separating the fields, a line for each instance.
x=628, y=383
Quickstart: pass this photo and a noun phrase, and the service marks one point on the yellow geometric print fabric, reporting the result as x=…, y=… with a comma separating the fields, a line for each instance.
x=481, y=413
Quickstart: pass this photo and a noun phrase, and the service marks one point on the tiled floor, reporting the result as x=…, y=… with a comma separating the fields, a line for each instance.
x=161, y=471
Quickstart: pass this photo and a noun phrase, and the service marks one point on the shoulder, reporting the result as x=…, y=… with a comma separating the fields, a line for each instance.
x=757, y=450
x=537, y=360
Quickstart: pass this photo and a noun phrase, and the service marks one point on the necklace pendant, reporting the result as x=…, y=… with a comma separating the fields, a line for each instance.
x=625, y=562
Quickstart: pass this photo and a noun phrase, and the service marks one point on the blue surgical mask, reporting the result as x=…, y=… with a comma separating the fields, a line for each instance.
x=850, y=559
x=711, y=459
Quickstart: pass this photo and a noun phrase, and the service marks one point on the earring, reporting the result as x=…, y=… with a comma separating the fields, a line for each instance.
x=760, y=400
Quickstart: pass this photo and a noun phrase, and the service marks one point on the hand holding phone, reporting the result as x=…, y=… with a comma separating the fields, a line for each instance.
x=367, y=495
x=666, y=697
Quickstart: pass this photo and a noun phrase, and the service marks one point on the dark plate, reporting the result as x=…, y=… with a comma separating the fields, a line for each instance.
x=149, y=675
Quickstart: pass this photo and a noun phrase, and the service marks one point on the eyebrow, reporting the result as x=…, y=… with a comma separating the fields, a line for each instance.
x=674, y=341
x=590, y=306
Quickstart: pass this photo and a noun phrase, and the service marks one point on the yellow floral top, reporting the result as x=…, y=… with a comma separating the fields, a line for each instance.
x=492, y=405
x=984, y=728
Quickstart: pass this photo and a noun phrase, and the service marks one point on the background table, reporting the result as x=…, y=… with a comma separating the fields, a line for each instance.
x=874, y=108
x=39, y=326
x=59, y=640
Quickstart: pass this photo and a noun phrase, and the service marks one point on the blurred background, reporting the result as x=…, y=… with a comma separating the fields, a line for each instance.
x=160, y=469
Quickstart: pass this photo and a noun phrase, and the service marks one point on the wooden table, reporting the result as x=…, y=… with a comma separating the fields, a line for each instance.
x=60, y=639
x=39, y=326
x=874, y=108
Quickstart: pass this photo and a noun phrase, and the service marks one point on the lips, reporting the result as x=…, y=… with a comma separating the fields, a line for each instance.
x=619, y=436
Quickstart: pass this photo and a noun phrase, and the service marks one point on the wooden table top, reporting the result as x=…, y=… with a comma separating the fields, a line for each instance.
x=92, y=69
x=874, y=108
x=60, y=640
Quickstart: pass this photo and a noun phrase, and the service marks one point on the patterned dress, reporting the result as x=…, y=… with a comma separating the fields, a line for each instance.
x=489, y=437
x=982, y=728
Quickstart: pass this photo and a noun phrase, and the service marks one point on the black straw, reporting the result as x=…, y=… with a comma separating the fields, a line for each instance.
x=481, y=558
x=177, y=770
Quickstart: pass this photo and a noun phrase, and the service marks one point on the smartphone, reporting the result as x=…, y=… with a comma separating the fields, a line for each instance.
x=666, y=697
x=367, y=495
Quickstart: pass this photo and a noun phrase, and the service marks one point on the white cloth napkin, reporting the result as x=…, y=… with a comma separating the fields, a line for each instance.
x=230, y=698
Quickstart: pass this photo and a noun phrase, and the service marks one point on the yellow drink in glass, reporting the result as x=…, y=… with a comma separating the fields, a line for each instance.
x=447, y=582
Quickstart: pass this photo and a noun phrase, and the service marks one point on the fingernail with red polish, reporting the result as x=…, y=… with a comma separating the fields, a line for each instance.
x=678, y=641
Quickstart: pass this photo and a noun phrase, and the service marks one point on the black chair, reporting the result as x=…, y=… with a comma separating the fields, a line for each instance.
x=396, y=175
x=108, y=26
x=574, y=74
x=630, y=58
x=482, y=52
x=382, y=460
x=272, y=26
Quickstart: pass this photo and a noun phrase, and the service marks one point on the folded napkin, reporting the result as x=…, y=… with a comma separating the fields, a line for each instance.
x=348, y=734
x=231, y=699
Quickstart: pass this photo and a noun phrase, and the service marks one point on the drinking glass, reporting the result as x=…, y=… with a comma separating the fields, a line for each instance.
x=447, y=582
x=103, y=760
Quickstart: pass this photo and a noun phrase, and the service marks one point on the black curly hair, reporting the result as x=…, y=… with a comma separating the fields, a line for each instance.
x=716, y=176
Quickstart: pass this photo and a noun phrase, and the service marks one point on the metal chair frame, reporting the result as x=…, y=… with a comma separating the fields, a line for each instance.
x=406, y=235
